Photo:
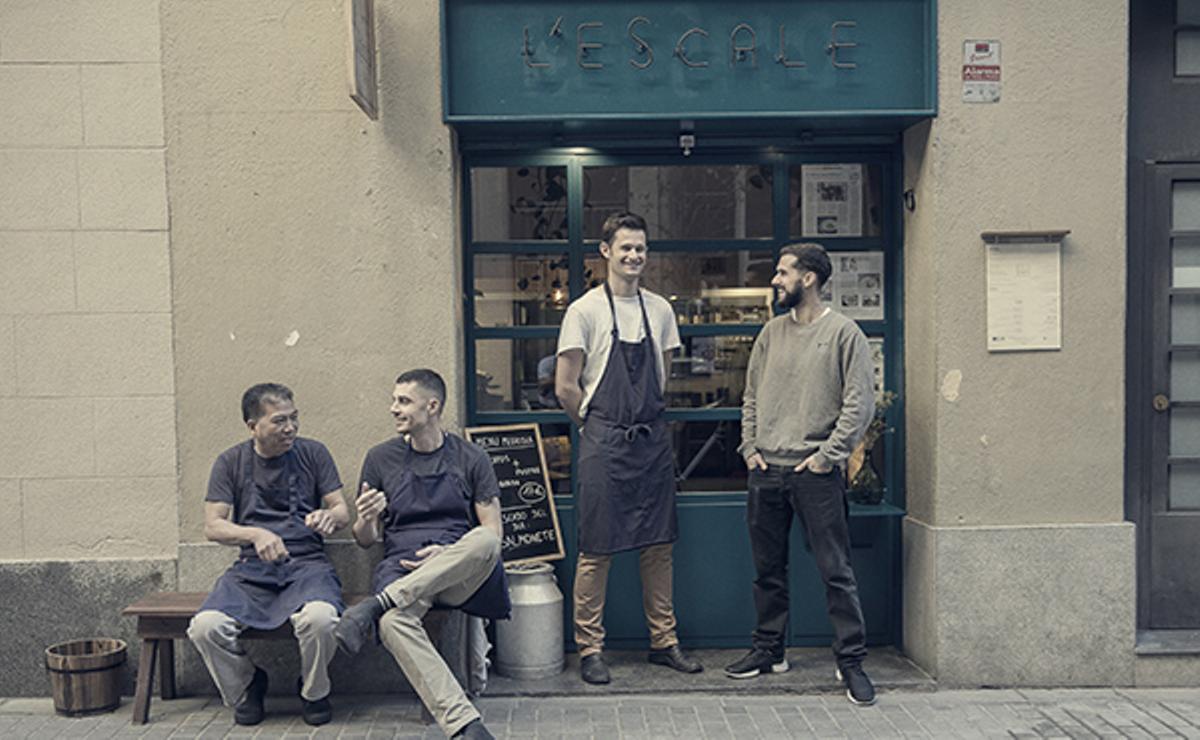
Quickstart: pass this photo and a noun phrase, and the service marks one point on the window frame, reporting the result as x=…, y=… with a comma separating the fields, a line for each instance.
x=781, y=159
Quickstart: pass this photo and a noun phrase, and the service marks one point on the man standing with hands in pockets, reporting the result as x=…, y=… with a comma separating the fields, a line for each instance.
x=613, y=350
x=808, y=400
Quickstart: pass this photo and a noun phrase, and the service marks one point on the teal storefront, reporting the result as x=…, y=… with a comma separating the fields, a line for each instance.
x=734, y=129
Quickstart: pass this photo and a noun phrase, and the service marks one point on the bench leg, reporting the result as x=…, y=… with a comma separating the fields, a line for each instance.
x=145, y=682
x=166, y=669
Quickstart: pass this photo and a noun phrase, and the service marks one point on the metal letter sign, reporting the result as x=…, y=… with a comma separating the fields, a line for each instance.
x=532, y=60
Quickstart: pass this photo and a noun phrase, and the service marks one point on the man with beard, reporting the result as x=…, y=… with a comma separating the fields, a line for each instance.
x=613, y=351
x=433, y=499
x=276, y=495
x=809, y=398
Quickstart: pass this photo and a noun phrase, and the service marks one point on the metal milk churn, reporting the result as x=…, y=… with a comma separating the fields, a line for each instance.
x=530, y=644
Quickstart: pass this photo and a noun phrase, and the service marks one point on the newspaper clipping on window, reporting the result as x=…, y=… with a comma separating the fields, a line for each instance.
x=855, y=289
x=832, y=199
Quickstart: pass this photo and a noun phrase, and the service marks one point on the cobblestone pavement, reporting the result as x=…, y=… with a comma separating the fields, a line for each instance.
x=1062, y=713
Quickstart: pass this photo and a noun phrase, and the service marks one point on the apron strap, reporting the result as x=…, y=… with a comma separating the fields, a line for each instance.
x=616, y=330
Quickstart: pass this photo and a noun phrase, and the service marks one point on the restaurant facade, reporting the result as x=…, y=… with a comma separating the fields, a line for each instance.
x=1010, y=192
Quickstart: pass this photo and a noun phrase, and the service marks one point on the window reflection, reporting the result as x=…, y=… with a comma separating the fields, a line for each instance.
x=556, y=447
x=682, y=202
x=518, y=203
x=515, y=374
x=520, y=290
x=709, y=372
x=708, y=287
x=706, y=456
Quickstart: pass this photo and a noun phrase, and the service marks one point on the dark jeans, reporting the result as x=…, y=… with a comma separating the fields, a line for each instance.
x=820, y=503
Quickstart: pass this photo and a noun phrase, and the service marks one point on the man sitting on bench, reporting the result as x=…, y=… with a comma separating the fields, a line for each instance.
x=277, y=496
x=435, y=501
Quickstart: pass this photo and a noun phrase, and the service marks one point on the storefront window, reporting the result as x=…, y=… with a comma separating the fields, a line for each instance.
x=709, y=372
x=682, y=202
x=829, y=201
x=518, y=203
x=705, y=288
x=520, y=289
x=714, y=236
x=515, y=374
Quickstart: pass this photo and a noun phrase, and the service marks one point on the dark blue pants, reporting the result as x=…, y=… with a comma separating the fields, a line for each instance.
x=820, y=503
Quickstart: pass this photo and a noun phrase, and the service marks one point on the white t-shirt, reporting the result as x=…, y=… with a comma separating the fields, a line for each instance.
x=588, y=326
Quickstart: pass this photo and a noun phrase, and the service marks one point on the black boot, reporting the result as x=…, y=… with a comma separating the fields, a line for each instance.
x=354, y=628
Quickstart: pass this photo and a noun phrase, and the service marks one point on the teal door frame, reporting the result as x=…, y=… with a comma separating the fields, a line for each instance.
x=713, y=573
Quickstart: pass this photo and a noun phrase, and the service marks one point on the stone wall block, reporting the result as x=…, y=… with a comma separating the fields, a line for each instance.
x=135, y=436
x=37, y=273
x=11, y=538
x=41, y=105
x=122, y=189
x=94, y=355
x=46, y=438
x=79, y=31
x=38, y=189
x=122, y=105
x=99, y=518
x=123, y=271
x=8, y=359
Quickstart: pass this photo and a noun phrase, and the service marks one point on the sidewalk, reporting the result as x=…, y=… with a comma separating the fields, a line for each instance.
x=1064, y=713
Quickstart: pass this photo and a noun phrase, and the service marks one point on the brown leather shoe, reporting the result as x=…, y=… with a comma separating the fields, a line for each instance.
x=673, y=657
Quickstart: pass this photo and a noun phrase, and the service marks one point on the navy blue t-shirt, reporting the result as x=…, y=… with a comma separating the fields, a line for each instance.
x=318, y=474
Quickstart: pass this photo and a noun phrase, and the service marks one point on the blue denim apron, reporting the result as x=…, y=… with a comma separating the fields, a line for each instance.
x=626, y=495
x=433, y=510
x=264, y=595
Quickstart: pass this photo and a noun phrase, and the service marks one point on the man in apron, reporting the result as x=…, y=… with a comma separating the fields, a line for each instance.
x=276, y=496
x=808, y=400
x=433, y=498
x=613, y=349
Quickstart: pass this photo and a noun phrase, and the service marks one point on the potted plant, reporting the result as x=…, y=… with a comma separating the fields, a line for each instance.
x=866, y=486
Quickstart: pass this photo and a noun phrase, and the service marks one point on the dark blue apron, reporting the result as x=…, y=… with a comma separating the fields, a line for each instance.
x=433, y=510
x=626, y=495
x=264, y=595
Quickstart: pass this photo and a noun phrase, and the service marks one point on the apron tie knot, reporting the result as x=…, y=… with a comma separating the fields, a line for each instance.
x=632, y=431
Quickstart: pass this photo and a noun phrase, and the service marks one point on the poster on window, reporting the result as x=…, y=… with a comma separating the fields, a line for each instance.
x=831, y=202
x=855, y=289
x=877, y=363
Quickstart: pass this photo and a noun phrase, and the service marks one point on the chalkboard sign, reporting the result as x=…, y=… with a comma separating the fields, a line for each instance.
x=531, y=530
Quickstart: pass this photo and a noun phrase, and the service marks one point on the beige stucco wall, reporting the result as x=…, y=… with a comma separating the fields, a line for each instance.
x=87, y=404
x=1019, y=438
x=1018, y=566
x=292, y=212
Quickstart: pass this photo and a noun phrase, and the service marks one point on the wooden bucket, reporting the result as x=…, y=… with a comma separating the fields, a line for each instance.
x=85, y=675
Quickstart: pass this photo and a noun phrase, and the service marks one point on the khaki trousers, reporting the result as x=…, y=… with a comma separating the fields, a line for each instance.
x=215, y=635
x=447, y=579
x=591, y=585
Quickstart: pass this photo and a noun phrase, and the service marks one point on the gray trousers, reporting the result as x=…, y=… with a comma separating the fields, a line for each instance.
x=215, y=635
x=446, y=579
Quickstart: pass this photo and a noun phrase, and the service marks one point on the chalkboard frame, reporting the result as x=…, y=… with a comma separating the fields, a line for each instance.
x=561, y=553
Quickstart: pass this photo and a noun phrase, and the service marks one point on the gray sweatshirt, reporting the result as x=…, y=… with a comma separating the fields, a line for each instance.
x=809, y=389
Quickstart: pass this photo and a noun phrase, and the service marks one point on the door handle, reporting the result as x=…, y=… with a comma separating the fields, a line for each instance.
x=1161, y=402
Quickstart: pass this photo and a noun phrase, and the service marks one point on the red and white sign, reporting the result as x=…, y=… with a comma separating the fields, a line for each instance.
x=981, y=72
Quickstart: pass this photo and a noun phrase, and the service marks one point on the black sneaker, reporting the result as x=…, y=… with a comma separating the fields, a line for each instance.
x=755, y=662
x=858, y=687
x=249, y=711
x=318, y=712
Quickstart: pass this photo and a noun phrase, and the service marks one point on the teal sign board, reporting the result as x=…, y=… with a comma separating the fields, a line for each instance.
x=658, y=59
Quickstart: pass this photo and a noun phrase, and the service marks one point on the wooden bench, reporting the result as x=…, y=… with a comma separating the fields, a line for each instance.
x=163, y=618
